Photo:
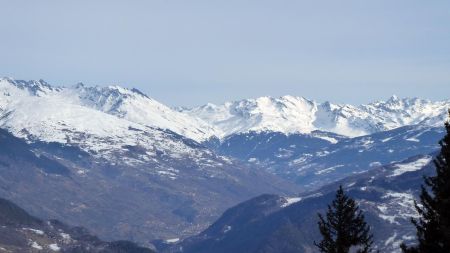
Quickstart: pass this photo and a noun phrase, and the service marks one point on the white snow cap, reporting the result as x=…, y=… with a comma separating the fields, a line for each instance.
x=28, y=106
x=37, y=99
x=289, y=114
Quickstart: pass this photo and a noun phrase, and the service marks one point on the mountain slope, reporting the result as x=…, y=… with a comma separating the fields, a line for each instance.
x=290, y=114
x=21, y=232
x=137, y=107
x=169, y=197
x=130, y=105
x=274, y=224
x=313, y=160
x=84, y=166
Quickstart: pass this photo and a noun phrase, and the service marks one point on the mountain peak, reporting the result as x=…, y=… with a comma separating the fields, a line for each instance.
x=394, y=98
x=79, y=85
x=34, y=87
x=109, y=90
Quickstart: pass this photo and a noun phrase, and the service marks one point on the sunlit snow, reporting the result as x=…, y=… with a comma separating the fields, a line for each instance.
x=408, y=167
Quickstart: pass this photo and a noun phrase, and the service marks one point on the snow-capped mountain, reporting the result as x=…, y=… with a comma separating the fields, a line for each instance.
x=82, y=154
x=289, y=114
x=45, y=111
x=137, y=107
x=262, y=114
x=286, y=136
x=59, y=145
x=36, y=111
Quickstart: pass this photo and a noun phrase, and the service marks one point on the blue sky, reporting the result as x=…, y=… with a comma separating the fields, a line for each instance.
x=192, y=52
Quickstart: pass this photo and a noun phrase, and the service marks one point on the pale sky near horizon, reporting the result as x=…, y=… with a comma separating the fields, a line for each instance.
x=187, y=53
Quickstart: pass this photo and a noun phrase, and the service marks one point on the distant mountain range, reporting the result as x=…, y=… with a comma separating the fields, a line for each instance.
x=128, y=167
x=286, y=114
x=291, y=114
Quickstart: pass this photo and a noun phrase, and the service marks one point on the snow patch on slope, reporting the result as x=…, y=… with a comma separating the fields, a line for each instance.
x=408, y=167
x=290, y=201
x=398, y=205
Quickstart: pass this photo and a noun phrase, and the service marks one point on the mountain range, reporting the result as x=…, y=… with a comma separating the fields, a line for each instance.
x=125, y=166
x=121, y=179
x=289, y=114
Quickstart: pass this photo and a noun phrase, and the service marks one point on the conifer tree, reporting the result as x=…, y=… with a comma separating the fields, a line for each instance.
x=433, y=226
x=344, y=227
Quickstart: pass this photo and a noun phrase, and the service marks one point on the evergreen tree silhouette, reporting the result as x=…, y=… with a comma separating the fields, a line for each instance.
x=433, y=226
x=344, y=228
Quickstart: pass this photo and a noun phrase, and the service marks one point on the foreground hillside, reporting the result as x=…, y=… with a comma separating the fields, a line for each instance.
x=21, y=232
